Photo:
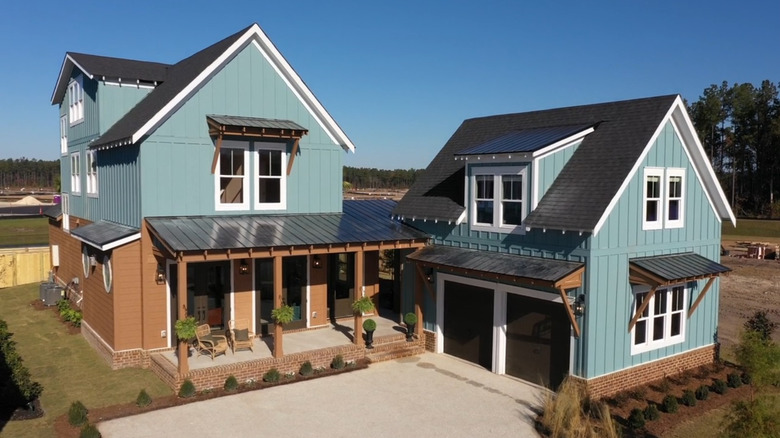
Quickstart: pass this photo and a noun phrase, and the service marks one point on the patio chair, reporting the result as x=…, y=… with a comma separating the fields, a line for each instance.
x=240, y=334
x=206, y=343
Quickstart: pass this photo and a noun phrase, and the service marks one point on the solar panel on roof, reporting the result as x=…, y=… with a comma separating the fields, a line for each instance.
x=526, y=140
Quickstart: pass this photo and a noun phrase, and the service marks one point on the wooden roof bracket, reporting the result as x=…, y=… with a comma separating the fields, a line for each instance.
x=701, y=295
x=292, y=155
x=569, y=312
x=216, y=153
x=642, y=308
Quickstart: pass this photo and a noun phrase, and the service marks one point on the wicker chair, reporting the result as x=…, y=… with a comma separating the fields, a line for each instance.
x=240, y=334
x=206, y=343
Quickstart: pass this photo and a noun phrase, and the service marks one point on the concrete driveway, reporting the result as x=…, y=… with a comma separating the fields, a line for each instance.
x=430, y=395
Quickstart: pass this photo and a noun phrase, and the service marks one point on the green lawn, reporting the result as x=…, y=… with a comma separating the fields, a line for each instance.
x=754, y=228
x=24, y=232
x=67, y=367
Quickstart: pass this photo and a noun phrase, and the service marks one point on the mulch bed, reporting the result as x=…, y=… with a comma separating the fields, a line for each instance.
x=13, y=413
x=63, y=429
x=69, y=328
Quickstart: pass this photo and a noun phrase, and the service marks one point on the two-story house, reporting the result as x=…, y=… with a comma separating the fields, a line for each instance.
x=211, y=187
x=578, y=241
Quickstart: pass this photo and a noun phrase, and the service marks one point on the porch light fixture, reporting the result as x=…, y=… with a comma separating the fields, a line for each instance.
x=92, y=261
x=429, y=275
x=579, y=305
x=316, y=262
x=160, y=275
x=243, y=269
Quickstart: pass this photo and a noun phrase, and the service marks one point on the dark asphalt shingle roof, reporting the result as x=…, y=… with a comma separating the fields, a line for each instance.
x=535, y=268
x=525, y=140
x=361, y=221
x=102, y=233
x=584, y=188
x=255, y=122
x=179, y=76
x=54, y=211
x=678, y=267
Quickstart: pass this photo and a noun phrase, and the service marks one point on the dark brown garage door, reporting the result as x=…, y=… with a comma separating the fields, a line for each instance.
x=468, y=323
x=537, y=340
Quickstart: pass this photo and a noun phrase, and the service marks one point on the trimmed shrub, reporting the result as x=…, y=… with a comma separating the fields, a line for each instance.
x=89, y=431
x=231, y=383
x=703, y=392
x=187, y=389
x=651, y=412
x=337, y=363
x=369, y=325
x=621, y=398
x=688, y=398
x=719, y=386
x=77, y=414
x=306, y=369
x=746, y=378
x=670, y=404
x=734, y=380
x=272, y=376
x=638, y=393
x=636, y=420
x=143, y=399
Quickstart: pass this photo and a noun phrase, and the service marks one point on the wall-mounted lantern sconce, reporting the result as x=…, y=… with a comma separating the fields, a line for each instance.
x=316, y=262
x=160, y=276
x=429, y=275
x=92, y=261
x=243, y=268
x=579, y=305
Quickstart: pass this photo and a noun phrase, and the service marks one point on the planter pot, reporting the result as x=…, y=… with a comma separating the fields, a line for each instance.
x=369, y=339
x=410, y=332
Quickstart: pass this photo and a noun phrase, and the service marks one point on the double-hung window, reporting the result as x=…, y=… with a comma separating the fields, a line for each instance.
x=75, y=173
x=271, y=184
x=232, y=181
x=664, y=198
x=662, y=323
x=64, y=135
x=653, y=207
x=675, y=180
x=497, y=198
x=92, y=177
x=76, y=100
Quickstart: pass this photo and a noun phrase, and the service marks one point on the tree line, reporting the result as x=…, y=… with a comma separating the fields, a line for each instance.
x=16, y=173
x=739, y=127
x=363, y=177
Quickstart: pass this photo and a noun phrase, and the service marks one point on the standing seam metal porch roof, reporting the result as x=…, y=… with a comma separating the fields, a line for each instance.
x=255, y=122
x=679, y=267
x=361, y=221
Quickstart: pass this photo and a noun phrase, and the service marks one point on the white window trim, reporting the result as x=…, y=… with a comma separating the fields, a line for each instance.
x=666, y=340
x=92, y=173
x=659, y=223
x=108, y=280
x=218, y=205
x=86, y=266
x=64, y=135
x=265, y=146
x=65, y=204
x=76, y=100
x=75, y=173
x=498, y=211
x=680, y=222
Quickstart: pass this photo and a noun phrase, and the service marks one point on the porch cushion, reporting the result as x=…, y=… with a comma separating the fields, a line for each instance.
x=242, y=335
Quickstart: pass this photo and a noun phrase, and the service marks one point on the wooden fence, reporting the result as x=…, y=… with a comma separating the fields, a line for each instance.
x=24, y=265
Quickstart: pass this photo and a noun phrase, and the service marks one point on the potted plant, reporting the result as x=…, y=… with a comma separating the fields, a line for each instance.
x=410, y=319
x=186, y=329
x=362, y=305
x=369, y=326
x=283, y=314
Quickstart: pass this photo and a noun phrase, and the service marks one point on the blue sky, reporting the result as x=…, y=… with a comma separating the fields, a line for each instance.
x=400, y=77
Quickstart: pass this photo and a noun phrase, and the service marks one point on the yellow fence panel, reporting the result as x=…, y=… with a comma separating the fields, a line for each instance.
x=24, y=265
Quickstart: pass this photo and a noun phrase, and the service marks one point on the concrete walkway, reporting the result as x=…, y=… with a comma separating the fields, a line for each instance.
x=430, y=395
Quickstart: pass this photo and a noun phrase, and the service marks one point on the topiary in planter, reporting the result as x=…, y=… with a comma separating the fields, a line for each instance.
x=337, y=363
x=143, y=399
x=410, y=318
x=187, y=389
x=734, y=380
x=272, y=376
x=89, y=431
x=636, y=420
x=719, y=386
x=231, y=383
x=703, y=392
x=651, y=412
x=362, y=305
x=369, y=325
x=77, y=414
x=670, y=404
x=283, y=315
x=688, y=398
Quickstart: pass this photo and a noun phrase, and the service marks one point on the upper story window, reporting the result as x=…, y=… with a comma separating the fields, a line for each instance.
x=76, y=100
x=232, y=180
x=75, y=173
x=64, y=135
x=662, y=323
x=92, y=177
x=271, y=183
x=497, y=198
x=664, y=199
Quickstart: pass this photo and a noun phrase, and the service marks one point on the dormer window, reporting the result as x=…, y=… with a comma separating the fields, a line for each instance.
x=497, y=198
x=76, y=101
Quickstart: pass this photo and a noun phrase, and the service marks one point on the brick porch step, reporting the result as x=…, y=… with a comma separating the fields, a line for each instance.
x=395, y=350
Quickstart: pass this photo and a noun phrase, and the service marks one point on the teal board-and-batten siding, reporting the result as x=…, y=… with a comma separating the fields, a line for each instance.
x=608, y=291
x=119, y=197
x=176, y=158
x=115, y=101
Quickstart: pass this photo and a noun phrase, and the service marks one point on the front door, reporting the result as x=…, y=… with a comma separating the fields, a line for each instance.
x=341, y=284
x=207, y=284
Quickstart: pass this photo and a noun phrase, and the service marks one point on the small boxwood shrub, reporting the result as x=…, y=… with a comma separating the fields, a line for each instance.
x=651, y=412
x=670, y=404
x=636, y=419
x=746, y=378
x=337, y=363
x=638, y=393
x=143, y=399
x=702, y=392
x=272, y=376
x=306, y=369
x=719, y=386
x=77, y=414
x=187, y=389
x=688, y=398
x=231, y=383
x=734, y=380
x=89, y=431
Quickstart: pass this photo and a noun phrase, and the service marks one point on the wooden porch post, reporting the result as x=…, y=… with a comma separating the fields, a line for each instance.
x=181, y=298
x=359, y=266
x=278, y=329
x=418, y=304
